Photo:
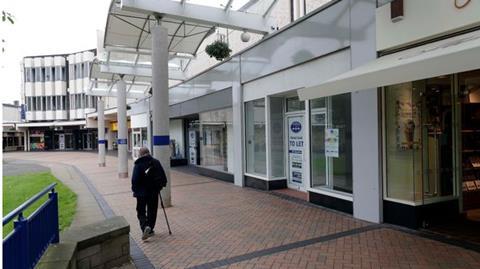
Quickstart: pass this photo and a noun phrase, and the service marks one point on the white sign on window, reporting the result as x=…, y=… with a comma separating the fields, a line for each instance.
x=331, y=142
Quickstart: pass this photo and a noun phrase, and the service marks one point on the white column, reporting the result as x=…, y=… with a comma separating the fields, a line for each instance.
x=101, y=132
x=149, y=126
x=25, y=140
x=122, y=129
x=110, y=137
x=238, y=138
x=161, y=138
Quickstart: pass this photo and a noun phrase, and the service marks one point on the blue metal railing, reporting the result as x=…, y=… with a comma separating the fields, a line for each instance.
x=31, y=236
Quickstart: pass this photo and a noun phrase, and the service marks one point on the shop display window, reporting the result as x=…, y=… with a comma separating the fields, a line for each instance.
x=216, y=139
x=331, y=143
x=255, y=137
x=419, y=139
x=277, y=140
x=469, y=95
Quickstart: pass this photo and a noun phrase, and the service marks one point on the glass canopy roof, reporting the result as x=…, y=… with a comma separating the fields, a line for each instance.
x=127, y=43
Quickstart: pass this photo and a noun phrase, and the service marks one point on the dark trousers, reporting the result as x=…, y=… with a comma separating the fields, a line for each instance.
x=147, y=211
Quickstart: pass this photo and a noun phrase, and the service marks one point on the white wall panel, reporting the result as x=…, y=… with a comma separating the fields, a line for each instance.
x=60, y=88
x=39, y=115
x=30, y=115
x=423, y=20
x=28, y=62
x=61, y=114
x=308, y=74
x=50, y=115
x=49, y=88
x=29, y=89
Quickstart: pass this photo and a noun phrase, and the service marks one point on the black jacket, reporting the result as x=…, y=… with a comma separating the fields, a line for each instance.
x=139, y=179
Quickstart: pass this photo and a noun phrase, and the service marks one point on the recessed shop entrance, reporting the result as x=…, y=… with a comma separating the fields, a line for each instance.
x=295, y=132
x=432, y=154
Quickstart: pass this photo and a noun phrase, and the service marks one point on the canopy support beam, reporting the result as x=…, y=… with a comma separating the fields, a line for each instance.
x=201, y=14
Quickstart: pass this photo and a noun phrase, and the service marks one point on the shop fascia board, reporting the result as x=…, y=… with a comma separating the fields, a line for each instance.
x=200, y=14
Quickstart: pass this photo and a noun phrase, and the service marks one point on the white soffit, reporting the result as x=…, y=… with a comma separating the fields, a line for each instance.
x=453, y=55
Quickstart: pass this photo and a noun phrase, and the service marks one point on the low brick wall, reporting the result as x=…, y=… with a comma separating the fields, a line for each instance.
x=99, y=245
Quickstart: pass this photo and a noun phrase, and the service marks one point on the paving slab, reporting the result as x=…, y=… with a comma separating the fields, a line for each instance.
x=218, y=225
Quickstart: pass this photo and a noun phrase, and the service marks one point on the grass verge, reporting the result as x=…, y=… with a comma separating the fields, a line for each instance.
x=18, y=189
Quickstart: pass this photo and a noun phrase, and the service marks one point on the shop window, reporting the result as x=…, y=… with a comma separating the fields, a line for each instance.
x=331, y=143
x=419, y=140
x=277, y=142
x=216, y=141
x=469, y=93
x=255, y=137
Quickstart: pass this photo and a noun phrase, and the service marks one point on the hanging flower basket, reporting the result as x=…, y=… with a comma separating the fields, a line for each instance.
x=218, y=49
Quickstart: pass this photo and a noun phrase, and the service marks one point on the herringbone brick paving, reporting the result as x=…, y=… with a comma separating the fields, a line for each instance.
x=213, y=220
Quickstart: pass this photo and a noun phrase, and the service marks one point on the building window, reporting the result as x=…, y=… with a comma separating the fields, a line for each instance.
x=39, y=74
x=30, y=104
x=255, y=137
x=39, y=103
x=65, y=103
x=78, y=71
x=277, y=142
x=58, y=73
x=331, y=143
x=64, y=75
x=44, y=103
x=86, y=69
x=29, y=75
x=78, y=103
x=419, y=139
x=216, y=146
x=48, y=74
x=34, y=74
x=48, y=103
x=54, y=103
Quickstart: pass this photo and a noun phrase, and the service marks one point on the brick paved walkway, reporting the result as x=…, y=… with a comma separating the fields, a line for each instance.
x=218, y=225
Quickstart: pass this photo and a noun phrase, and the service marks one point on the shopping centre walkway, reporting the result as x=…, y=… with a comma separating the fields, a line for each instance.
x=218, y=225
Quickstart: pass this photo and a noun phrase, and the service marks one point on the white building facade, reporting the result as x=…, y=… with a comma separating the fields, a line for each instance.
x=56, y=99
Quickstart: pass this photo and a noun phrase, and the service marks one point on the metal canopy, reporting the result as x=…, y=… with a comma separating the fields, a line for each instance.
x=125, y=47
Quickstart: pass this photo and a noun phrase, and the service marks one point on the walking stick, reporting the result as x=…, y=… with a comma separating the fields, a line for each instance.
x=165, y=213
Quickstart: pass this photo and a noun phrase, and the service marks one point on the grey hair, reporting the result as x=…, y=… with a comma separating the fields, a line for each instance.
x=143, y=152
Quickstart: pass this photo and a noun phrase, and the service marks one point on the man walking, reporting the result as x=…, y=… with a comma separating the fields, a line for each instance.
x=148, y=178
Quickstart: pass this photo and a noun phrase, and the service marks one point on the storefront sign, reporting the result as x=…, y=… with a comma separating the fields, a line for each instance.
x=331, y=142
x=295, y=149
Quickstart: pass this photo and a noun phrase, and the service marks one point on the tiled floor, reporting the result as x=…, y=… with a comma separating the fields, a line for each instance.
x=219, y=225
